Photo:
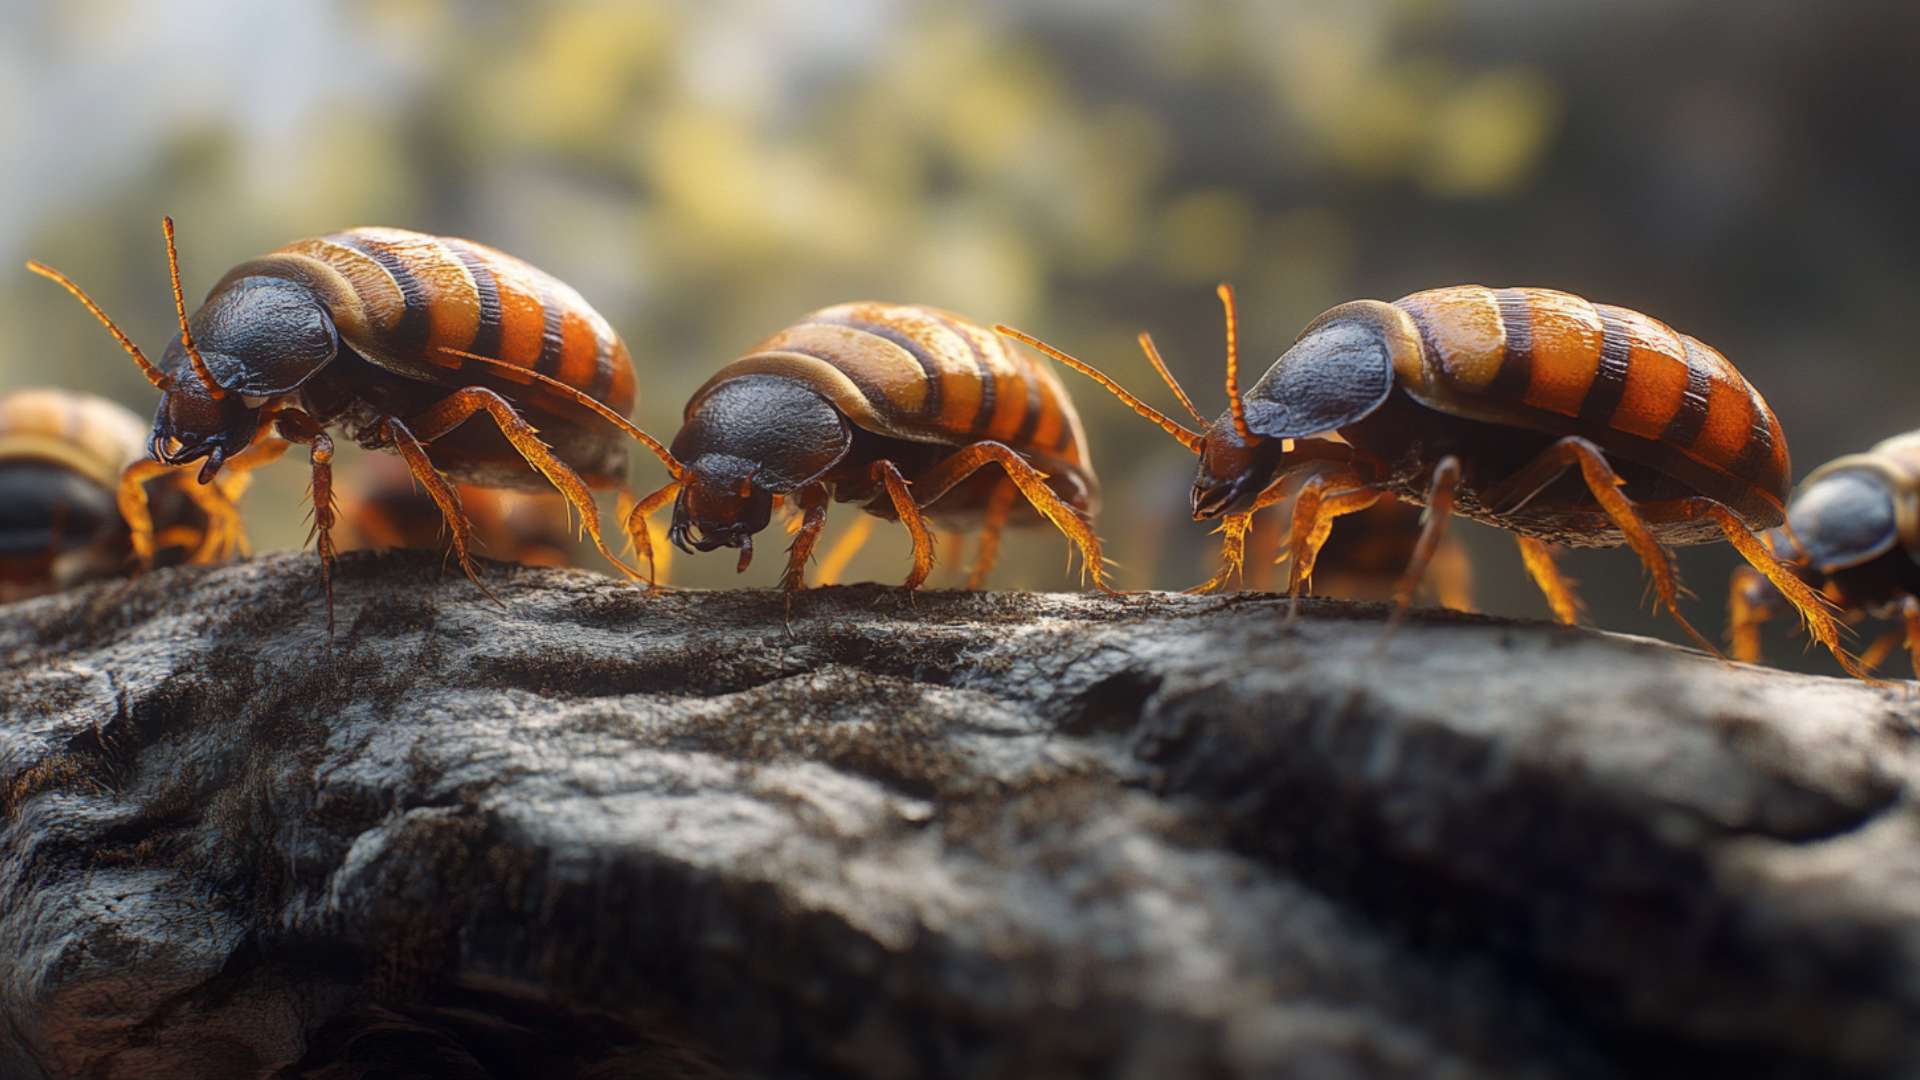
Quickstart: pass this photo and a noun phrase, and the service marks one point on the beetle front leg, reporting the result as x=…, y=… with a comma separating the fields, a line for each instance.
x=1314, y=512
x=640, y=531
x=296, y=426
x=812, y=501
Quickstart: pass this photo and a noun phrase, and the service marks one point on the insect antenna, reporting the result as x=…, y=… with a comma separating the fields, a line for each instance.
x=214, y=389
x=154, y=375
x=1190, y=439
x=1234, y=403
x=1160, y=365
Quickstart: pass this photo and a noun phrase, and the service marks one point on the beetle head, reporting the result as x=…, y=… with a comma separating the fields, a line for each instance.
x=192, y=423
x=1843, y=517
x=747, y=439
x=720, y=505
x=1233, y=471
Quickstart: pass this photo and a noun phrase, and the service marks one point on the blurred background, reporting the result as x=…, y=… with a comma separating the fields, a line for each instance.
x=704, y=173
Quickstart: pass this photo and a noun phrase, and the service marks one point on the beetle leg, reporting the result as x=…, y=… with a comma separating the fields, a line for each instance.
x=844, y=549
x=1233, y=539
x=1537, y=554
x=1233, y=553
x=134, y=508
x=1303, y=456
x=454, y=410
x=1882, y=647
x=944, y=475
x=442, y=492
x=221, y=536
x=1813, y=608
x=811, y=501
x=1263, y=551
x=232, y=483
x=999, y=508
x=298, y=427
x=640, y=532
x=886, y=473
x=1440, y=491
x=225, y=535
x=1910, y=614
x=1604, y=485
x=1749, y=606
x=1314, y=512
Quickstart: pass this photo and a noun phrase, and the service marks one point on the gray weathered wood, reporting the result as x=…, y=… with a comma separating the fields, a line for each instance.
x=975, y=835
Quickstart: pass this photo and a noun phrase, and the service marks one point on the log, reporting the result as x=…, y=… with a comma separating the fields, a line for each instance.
x=590, y=831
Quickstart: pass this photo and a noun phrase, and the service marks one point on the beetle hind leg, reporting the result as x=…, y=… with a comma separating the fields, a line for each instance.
x=454, y=410
x=968, y=460
x=1575, y=452
x=1814, y=609
x=444, y=495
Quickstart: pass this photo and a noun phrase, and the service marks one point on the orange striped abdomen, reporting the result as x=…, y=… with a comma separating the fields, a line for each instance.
x=1552, y=361
x=88, y=434
x=921, y=374
x=400, y=298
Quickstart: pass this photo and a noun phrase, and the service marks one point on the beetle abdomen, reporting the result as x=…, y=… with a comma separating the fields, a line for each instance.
x=1556, y=362
x=920, y=374
x=91, y=435
x=400, y=298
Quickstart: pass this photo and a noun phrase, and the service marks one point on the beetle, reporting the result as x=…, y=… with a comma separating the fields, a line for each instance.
x=387, y=509
x=1852, y=531
x=397, y=338
x=895, y=408
x=1540, y=413
x=62, y=454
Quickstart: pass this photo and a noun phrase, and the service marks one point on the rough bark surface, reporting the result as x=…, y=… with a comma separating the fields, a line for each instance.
x=594, y=832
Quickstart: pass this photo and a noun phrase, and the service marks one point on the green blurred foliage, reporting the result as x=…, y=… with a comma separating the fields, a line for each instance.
x=705, y=173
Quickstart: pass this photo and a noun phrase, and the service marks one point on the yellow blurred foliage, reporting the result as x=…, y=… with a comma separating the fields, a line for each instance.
x=1487, y=134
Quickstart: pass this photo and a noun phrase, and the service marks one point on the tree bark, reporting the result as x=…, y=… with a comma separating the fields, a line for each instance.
x=588, y=831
